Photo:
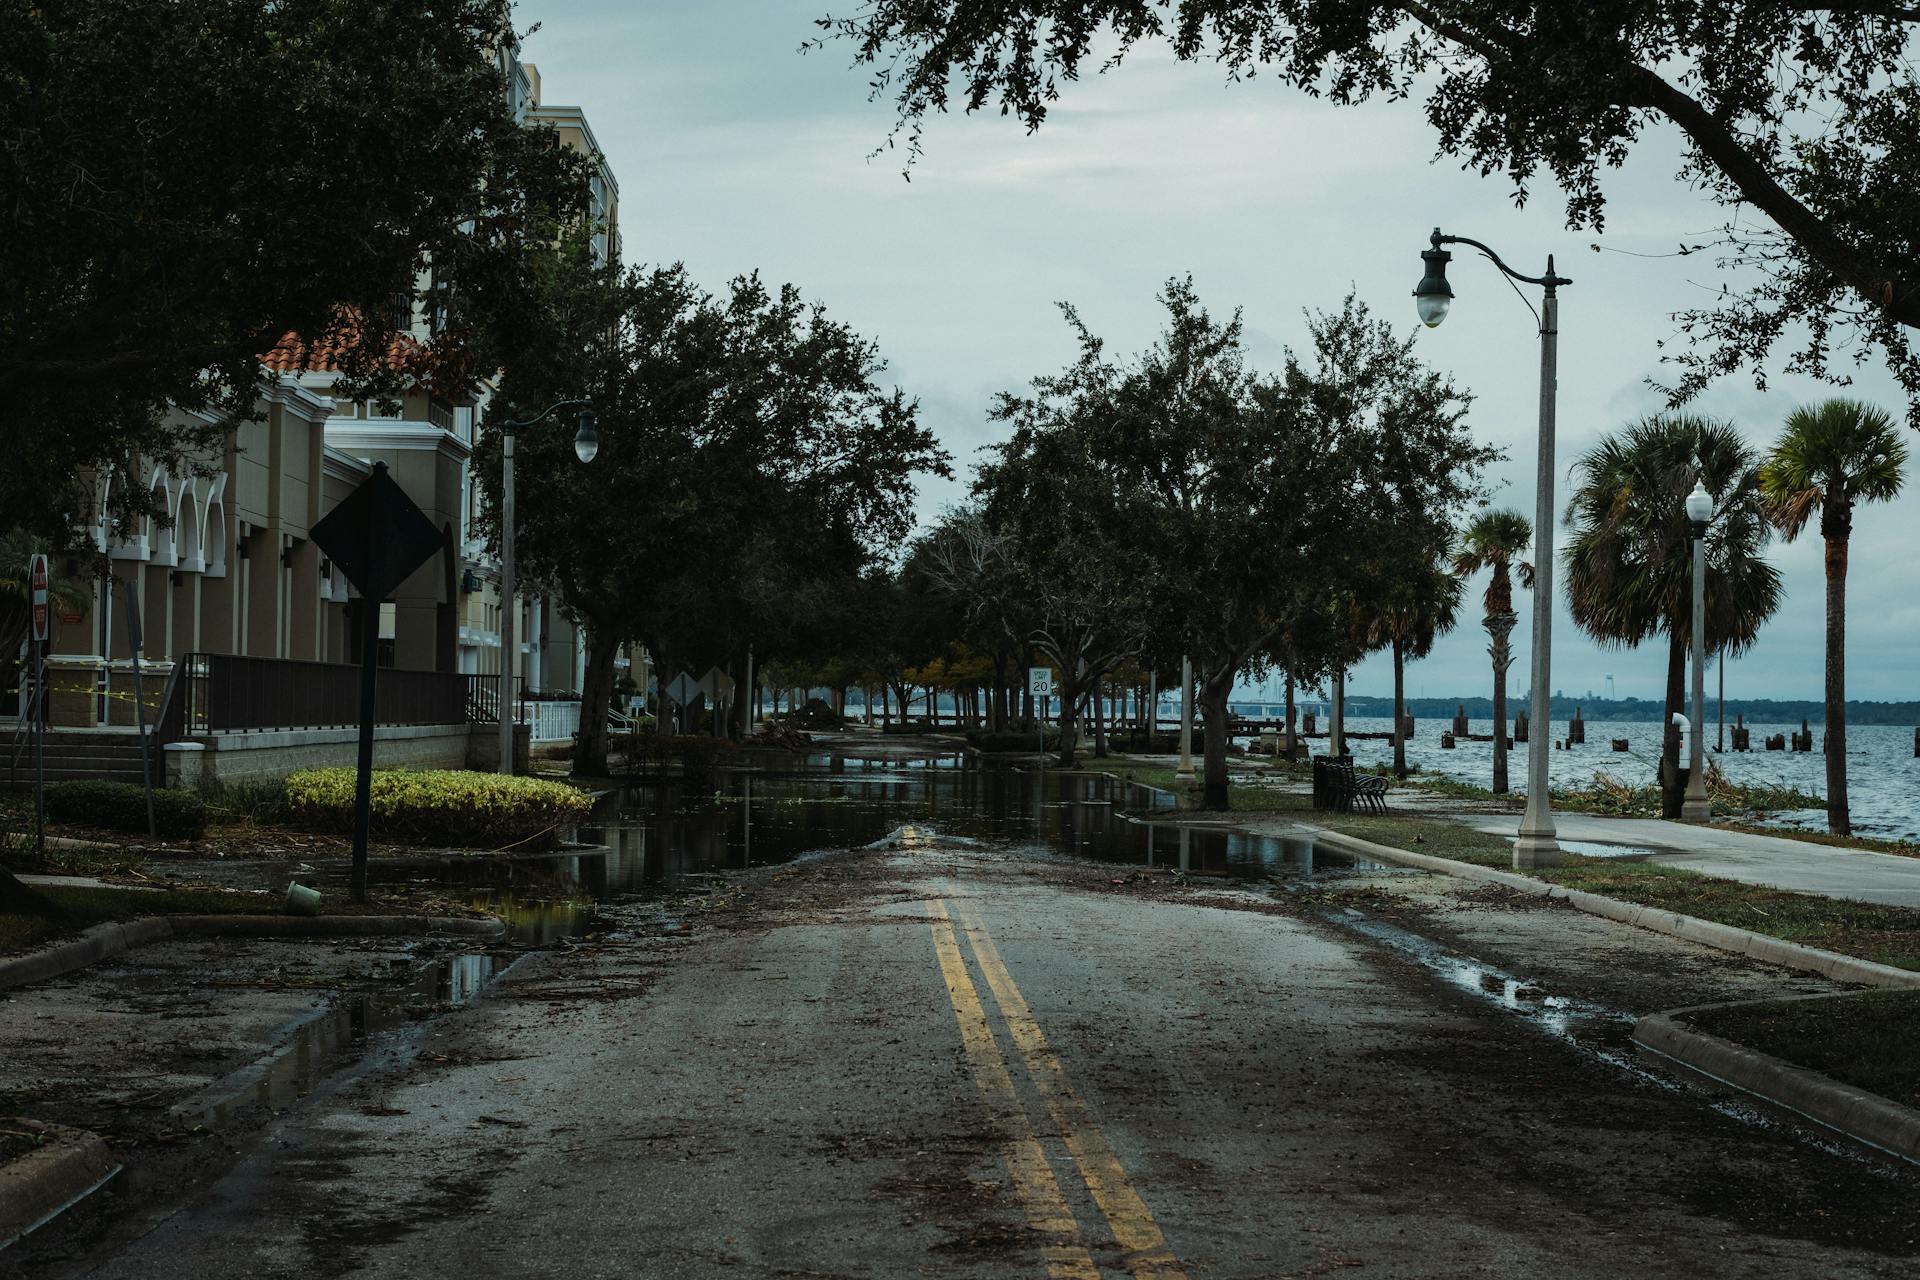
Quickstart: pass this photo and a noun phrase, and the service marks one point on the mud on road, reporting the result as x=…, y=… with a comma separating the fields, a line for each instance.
x=1391, y=1070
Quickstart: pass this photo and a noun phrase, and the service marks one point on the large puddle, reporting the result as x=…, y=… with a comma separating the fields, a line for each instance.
x=665, y=838
x=319, y=1045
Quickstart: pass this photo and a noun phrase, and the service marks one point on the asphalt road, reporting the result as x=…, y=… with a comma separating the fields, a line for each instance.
x=951, y=1062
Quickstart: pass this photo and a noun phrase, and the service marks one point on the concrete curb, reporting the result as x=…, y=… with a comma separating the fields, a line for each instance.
x=1724, y=937
x=1862, y=1116
x=104, y=941
x=67, y=1168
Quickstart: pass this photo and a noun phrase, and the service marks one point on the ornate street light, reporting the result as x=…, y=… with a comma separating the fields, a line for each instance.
x=586, y=444
x=1696, y=807
x=1537, y=845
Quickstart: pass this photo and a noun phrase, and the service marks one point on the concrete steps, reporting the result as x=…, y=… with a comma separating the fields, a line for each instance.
x=70, y=754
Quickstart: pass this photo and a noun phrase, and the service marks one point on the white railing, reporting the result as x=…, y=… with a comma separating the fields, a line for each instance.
x=551, y=721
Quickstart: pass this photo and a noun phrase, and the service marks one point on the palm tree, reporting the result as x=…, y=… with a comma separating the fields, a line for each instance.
x=1831, y=456
x=1629, y=561
x=1420, y=606
x=1495, y=540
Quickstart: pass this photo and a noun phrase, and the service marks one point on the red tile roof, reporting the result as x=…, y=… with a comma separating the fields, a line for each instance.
x=292, y=354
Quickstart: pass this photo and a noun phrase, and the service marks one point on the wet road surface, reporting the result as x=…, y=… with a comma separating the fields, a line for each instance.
x=939, y=1059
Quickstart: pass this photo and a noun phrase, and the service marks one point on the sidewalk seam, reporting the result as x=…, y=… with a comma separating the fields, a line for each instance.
x=1723, y=937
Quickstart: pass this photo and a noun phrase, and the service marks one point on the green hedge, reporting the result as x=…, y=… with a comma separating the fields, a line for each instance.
x=122, y=806
x=1158, y=744
x=441, y=807
x=1011, y=741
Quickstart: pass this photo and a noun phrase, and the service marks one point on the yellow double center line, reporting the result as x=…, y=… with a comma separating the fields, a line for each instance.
x=1146, y=1251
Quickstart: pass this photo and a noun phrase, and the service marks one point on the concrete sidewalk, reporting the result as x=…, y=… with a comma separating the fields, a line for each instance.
x=1774, y=861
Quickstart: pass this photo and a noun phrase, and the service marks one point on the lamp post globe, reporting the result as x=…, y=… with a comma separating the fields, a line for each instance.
x=1699, y=507
x=1433, y=296
x=586, y=441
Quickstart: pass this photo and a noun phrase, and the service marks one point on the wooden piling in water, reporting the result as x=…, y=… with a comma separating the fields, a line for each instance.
x=1460, y=720
x=1576, y=729
x=1520, y=727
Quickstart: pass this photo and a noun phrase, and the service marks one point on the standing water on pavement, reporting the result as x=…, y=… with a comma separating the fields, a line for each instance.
x=666, y=837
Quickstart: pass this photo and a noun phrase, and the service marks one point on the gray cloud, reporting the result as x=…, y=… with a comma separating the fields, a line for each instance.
x=734, y=152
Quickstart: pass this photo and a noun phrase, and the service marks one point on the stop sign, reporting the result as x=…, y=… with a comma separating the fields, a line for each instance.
x=37, y=592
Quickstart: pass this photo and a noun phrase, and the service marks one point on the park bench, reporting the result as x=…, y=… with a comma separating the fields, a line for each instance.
x=1339, y=787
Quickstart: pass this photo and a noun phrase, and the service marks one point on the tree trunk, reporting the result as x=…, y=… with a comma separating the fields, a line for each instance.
x=1337, y=729
x=1839, y=820
x=1399, y=709
x=1027, y=713
x=1070, y=696
x=596, y=693
x=1099, y=722
x=1214, y=692
x=1500, y=627
x=1673, y=791
x=1293, y=744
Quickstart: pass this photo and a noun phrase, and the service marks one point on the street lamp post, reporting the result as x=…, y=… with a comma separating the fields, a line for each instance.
x=586, y=443
x=1696, y=807
x=1537, y=845
x=1186, y=720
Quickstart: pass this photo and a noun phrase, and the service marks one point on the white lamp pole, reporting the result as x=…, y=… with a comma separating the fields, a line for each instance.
x=586, y=443
x=1538, y=845
x=1695, y=806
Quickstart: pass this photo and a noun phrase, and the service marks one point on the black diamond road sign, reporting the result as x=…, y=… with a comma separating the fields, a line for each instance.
x=377, y=536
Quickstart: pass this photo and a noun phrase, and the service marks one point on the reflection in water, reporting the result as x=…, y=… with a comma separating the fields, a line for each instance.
x=296, y=1066
x=660, y=837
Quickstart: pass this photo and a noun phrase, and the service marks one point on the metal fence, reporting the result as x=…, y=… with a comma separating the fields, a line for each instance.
x=551, y=720
x=224, y=693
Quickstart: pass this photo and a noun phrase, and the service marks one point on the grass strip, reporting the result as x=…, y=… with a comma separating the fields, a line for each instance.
x=1243, y=794
x=1870, y=1040
x=1871, y=931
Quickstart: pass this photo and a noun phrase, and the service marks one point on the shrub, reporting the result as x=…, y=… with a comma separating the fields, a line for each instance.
x=122, y=806
x=697, y=755
x=258, y=799
x=1158, y=744
x=989, y=740
x=450, y=807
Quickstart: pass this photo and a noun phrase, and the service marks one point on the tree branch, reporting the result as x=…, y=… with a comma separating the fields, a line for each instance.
x=1878, y=285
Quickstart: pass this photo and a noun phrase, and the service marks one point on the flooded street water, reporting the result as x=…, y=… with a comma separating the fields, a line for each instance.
x=662, y=838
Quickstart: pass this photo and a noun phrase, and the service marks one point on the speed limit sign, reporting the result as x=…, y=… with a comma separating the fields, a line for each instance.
x=1040, y=681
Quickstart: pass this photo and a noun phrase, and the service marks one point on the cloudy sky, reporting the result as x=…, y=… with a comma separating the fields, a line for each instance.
x=734, y=151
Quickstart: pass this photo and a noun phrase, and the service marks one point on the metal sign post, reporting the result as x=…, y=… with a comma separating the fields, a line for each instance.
x=376, y=536
x=136, y=640
x=1040, y=686
x=37, y=659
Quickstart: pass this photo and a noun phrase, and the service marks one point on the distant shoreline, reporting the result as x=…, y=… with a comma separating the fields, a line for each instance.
x=1755, y=710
